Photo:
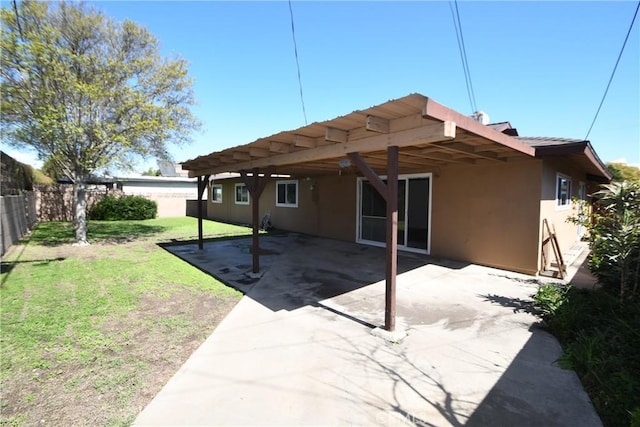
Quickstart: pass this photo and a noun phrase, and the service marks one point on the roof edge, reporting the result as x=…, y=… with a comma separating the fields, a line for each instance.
x=584, y=147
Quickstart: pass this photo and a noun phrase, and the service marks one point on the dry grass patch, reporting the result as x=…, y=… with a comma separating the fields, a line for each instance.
x=89, y=335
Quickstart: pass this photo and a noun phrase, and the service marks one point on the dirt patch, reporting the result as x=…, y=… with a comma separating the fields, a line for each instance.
x=146, y=347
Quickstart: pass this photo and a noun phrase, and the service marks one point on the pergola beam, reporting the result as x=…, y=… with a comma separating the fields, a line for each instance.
x=278, y=147
x=304, y=141
x=458, y=147
x=369, y=173
x=336, y=135
x=427, y=134
x=259, y=152
x=377, y=124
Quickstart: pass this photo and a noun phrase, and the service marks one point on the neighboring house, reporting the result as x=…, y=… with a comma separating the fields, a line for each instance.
x=466, y=191
x=171, y=193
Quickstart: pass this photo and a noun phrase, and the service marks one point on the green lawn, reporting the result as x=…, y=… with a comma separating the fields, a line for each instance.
x=90, y=334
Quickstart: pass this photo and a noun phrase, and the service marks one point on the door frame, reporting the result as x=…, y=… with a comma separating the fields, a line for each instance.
x=404, y=247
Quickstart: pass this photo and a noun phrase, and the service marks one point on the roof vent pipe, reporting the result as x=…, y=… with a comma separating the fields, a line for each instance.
x=481, y=116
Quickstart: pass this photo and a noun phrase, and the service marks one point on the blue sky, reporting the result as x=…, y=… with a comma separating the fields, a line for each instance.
x=543, y=66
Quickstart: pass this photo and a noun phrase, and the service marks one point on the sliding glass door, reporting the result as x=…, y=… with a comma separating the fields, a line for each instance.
x=414, y=199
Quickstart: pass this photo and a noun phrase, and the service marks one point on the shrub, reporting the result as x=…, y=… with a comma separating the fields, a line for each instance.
x=600, y=339
x=112, y=208
x=614, y=237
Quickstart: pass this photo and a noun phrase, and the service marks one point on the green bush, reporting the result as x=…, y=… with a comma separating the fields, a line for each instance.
x=112, y=208
x=614, y=238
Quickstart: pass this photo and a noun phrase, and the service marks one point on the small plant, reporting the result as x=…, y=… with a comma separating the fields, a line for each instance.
x=112, y=208
x=549, y=298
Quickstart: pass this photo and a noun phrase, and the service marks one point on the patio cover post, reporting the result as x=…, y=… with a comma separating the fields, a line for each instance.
x=202, y=184
x=255, y=187
x=392, y=239
x=255, y=220
x=389, y=193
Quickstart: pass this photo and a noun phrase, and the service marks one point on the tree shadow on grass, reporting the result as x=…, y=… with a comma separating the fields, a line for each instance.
x=63, y=233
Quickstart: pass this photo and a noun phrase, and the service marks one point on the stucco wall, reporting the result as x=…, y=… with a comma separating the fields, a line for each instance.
x=488, y=214
x=326, y=207
x=171, y=196
x=567, y=233
x=164, y=187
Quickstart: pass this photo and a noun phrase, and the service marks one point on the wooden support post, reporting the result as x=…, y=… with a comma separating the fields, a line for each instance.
x=256, y=187
x=392, y=239
x=389, y=192
x=200, y=243
x=255, y=221
x=202, y=184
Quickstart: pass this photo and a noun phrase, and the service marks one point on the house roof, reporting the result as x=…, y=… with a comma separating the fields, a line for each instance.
x=543, y=141
x=504, y=127
x=428, y=134
x=92, y=180
x=576, y=150
x=155, y=179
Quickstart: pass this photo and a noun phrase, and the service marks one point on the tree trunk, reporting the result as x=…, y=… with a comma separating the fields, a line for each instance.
x=80, y=213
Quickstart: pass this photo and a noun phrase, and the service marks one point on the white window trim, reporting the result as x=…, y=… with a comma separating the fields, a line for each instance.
x=287, y=205
x=212, y=193
x=567, y=206
x=235, y=194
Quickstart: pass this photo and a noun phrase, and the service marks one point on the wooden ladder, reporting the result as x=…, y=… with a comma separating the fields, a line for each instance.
x=559, y=264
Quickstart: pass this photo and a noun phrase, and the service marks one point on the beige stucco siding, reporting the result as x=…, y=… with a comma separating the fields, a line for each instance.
x=566, y=232
x=228, y=210
x=326, y=207
x=488, y=214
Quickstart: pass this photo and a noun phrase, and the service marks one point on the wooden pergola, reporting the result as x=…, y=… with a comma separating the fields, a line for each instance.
x=407, y=135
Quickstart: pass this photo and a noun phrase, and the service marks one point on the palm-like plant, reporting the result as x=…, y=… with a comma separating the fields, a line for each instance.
x=615, y=237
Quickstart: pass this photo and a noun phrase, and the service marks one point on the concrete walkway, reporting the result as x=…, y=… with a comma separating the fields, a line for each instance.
x=298, y=348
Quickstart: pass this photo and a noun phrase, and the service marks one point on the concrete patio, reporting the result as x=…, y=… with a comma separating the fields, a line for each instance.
x=298, y=348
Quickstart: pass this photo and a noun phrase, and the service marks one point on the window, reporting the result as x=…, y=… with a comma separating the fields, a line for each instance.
x=216, y=193
x=242, y=194
x=563, y=191
x=287, y=194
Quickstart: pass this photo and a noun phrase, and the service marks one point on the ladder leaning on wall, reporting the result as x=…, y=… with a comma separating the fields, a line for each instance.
x=558, y=262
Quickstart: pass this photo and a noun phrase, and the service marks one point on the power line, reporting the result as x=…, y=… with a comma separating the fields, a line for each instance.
x=295, y=50
x=614, y=71
x=463, y=54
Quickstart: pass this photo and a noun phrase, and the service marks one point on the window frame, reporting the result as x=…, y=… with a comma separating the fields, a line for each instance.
x=213, y=186
x=560, y=205
x=235, y=194
x=286, y=183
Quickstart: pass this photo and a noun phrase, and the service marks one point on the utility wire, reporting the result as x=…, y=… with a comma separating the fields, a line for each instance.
x=295, y=50
x=15, y=10
x=463, y=54
x=614, y=71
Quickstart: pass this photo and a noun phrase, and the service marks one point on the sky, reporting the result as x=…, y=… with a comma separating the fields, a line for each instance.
x=543, y=66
